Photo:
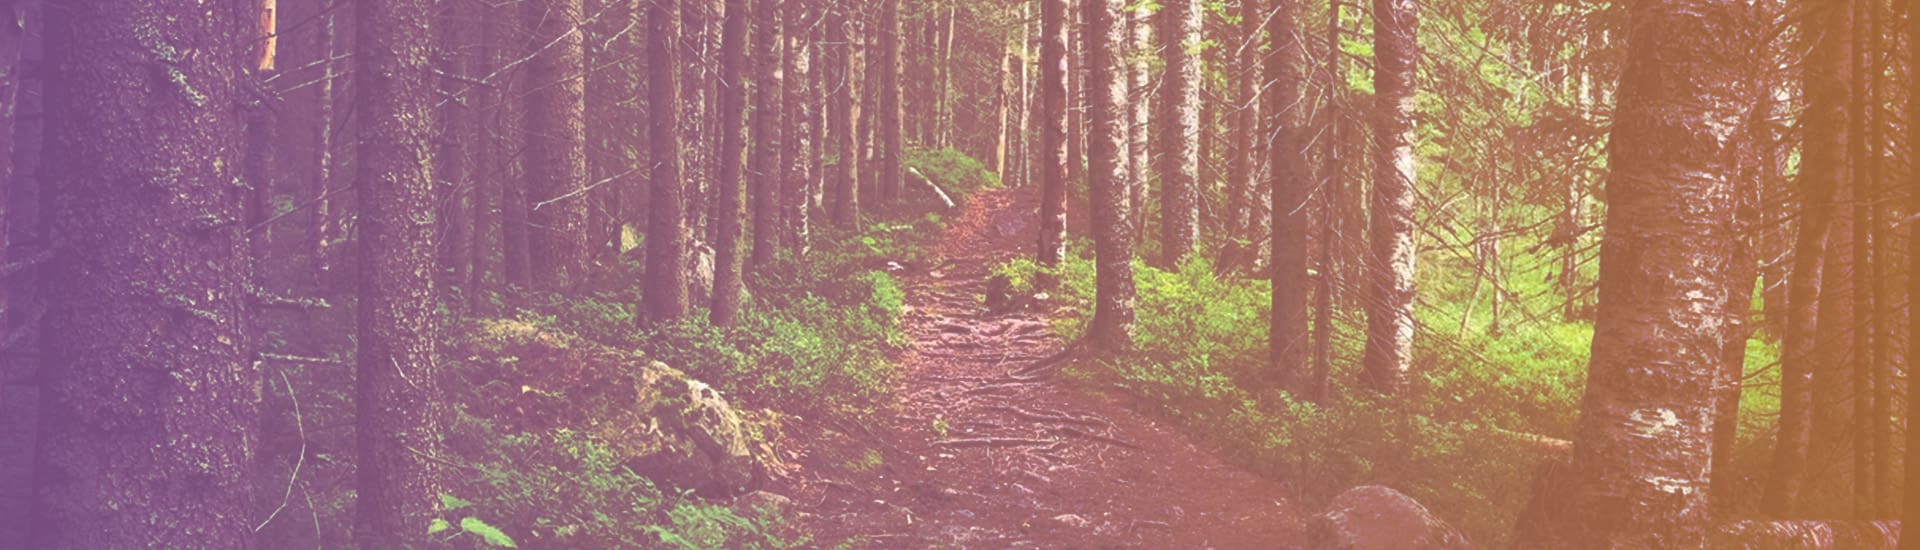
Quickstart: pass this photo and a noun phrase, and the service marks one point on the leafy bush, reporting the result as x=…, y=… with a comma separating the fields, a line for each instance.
x=1463, y=443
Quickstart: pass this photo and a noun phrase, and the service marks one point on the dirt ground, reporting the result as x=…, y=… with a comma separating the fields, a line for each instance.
x=991, y=448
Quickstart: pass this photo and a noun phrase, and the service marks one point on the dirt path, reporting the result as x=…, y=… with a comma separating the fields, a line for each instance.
x=980, y=455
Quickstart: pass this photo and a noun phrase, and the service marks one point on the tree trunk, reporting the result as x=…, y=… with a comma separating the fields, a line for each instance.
x=1002, y=111
x=890, y=118
x=668, y=240
x=482, y=142
x=1107, y=166
x=1053, y=132
x=516, y=245
x=149, y=412
x=320, y=226
x=1140, y=103
x=1246, y=122
x=557, y=146
x=843, y=197
x=1390, y=326
x=799, y=107
x=1287, y=173
x=728, y=189
x=696, y=84
x=453, y=185
x=1641, y=458
x=1319, y=388
x=764, y=175
x=398, y=419
x=1742, y=278
x=1180, y=132
x=1825, y=169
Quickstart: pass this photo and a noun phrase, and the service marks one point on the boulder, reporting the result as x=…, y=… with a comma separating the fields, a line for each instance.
x=1378, y=518
x=661, y=423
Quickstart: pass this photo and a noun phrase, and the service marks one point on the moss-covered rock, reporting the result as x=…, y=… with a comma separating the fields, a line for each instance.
x=674, y=429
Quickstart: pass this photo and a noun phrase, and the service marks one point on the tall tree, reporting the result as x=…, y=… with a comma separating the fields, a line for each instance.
x=398, y=421
x=1180, y=131
x=799, y=116
x=1107, y=168
x=148, y=410
x=765, y=174
x=260, y=171
x=1331, y=199
x=889, y=119
x=1823, y=169
x=1245, y=119
x=1390, y=294
x=843, y=197
x=557, y=145
x=320, y=226
x=1287, y=178
x=1053, y=132
x=667, y=236
x=1140, y=119
x=728, y=190
x=1640, y=459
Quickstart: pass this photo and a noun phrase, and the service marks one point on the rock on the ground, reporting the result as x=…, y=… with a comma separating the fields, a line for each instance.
x=1072, y=520
x=761, y=502
x=1378, y=518
x=663, y=424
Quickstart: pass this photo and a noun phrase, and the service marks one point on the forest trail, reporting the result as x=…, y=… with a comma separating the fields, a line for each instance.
x=992, y=448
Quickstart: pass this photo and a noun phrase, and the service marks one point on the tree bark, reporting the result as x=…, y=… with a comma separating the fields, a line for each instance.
x=1180, y=132
x=1140, y=103
x=557, y=146
x=799, y=116
x=1641, y=457
x=728, y=189
x=890, y=118
x=148, y=412
x=1107, y=167
x=1246, y=121
x=398, y=420
x=1287, y=177
x=668, y=240
x=1319, y=388
x=1053, y=132
x=764, y=175
x=1390, y=292
x=843, y=197
x=1824, y=169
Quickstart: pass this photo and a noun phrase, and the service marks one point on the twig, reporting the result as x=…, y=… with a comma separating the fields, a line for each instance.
x=300, y=427
x=578, y=192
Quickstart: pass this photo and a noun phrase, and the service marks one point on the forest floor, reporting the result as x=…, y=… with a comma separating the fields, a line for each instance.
x=991, y=446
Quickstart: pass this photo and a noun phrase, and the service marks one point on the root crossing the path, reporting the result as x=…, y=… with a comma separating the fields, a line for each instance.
x=991, y=448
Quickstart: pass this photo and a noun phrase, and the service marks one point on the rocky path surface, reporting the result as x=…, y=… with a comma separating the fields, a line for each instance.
x=990, y=448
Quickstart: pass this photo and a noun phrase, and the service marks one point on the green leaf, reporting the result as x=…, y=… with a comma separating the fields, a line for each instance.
x=492, y=535
x=438, y=525
x=451, y=503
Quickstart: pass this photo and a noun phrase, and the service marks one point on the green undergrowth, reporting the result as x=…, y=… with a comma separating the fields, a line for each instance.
x=1482, y=411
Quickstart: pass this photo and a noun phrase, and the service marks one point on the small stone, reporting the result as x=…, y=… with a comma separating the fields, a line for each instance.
x=1072, y=520
x=761, y=502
